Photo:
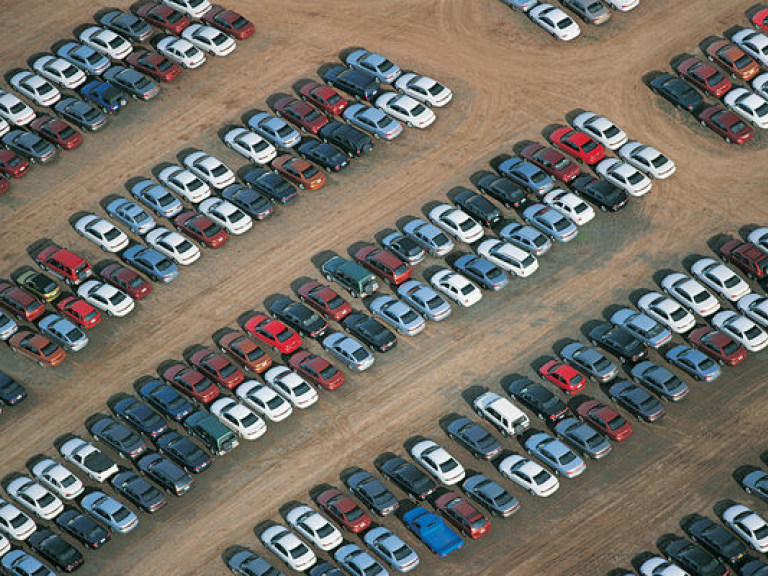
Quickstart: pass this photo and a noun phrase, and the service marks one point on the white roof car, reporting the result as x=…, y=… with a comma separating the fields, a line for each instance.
x=601, y=129
x=690, y=294
x=457, y=223
x=502, y=413
x=58, y=478
x=106, y=297
x=438, y=462
x=174, y=245
x=554, y=21
x=14, y=522
x=570, y=205
x=760, y=85
x=406, y=109
x=508, y=257
x=720, y=278
x=238, y=418
x=226, y=215
x=88, y=458
x=457, y=287
x=291, y=386
x=667, y=311
x=314, y=527
x=60, y=71
x=181, y=180
x=35, y=497
x=424, y=89
x=749, y=525
x=106, y=41
x=181, y=51
x=647, y=159
x=264, y=400
x=759, y=237
x=625, y=176
x=250, y=145
x=753, y=43
x=754, y=307
x=422, y=298
x=14, y=110
x=193, y=8
x=210, y=169
x=348, y=350
x=658, y=566
x=102, y=232
x=209, y=39
x=530, y=475
x=748, y=105
x=741, y=329
x=288, y=547
x=35, y=87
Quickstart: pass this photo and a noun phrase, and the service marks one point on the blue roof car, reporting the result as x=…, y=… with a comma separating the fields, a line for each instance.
x=154, y=264
x=432, y=531
x=157, y=198
x=104, y=95
x=132, y=215
x=84, y=57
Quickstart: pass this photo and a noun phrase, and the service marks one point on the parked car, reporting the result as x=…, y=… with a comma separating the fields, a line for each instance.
x=373, y=120
x=88, y=458
x=201, y=228
x=508, y=257
x=406, y=109
x=116, y=435
x=503, y=414
x=139, y=491
x=19, y=562
x=456, y=222
x=369, y=331
x=84, y=528
x=39, y=285
x=748, y=257
x=62, y=72
x=272, y=332
x=704, y=76
x=219, y=439
x=276, y=130
x=55, y=549
x=239, y=418
x=424, y=89
x=323, y=97
x=550, y=222
x=748, y=525
x=667, y=311
x=583, y=437
x=526, y=237
x=37, y=347
x=408, y=477
x=375, y=64
x=184, y=182
x=139, y=415
x=291, y=386
x=432, y=531
x=462, y=514
x=438, y=462
x=20, y=302
x=741, y=329
x=209, y=39
x=274, y=186
x=324, y=299
x=314, y=527
x=590, y=360
x=642, y=327
x=372, y=492
x=732, y=59
x=11, y=392
x=104, y=95
x=323, y=154
x=530, y=475
x=357, y=561
x=129, y=25
x=637, y=400
x=184, y=451
x=618, y=342
x=602, y=193
x=456, y=286
x=349, y=350
x=34, y=87
x=64, y=332
x=690, y=294
x=79, y=112
x=659, y=380
x=181, y=51
x=554, y=21
x=624, y=176
x=353, y=142
x=398, y=314
x=151, y=262
x=166, y=473
x=565, y=377
x=676, y=91
x=216, y=367
x=56, y=477
x=540, y=400
x=34, y=497
x=226, y=215
x=344, y=510
x=422, y=298
x=718, y=346
x=482, y=271
x=604, y=419
x=165, y=399
x=162, y=16
x=392, y=549
x=190, y=382
x=153, y=64
x=755, y=307
x=502, y=189
x=30, y=146
x=472, y=436
x=101, y=232
x=648, y=159
x=56, y=131
x=693, y=558
x=361, y=85
x=110, y=511
x=428, y=236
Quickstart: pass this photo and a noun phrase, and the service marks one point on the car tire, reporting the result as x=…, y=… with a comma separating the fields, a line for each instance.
x=328, y=277
x=728, y=140
x=540, y=416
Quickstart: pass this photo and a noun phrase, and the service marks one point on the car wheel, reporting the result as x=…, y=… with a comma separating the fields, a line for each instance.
x=728, y=140
x=353, y=293
x=540, y=416
x=622, y=359
x=409, y=124
x=603, y=208
x=327, y=277
x=748, y=490
x=376, y=136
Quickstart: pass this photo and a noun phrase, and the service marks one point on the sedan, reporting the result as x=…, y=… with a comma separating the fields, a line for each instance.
x=323, y=97
x=101, y=232
x=583, y=437
x=181, y=51
x=35, y=87
x=591, y=11
x=136, y=218
x=157, y=198
x=438, y=462
x=457, y=287
x=642, y=327
x=184, y=451
x=754, y=307
x=748, y=105
x=274, y=129
x=239, y=418
x=64, y=73
x=456, y=222
x=648, y=159
x=344, y=510
x=526, y=238
x=601, y=129
x=690, y=294
x=88, y=458
x=404, y=247
x=749, y=525
x=704, y=76
x=604, y=419
x=398, y=315
x=624, y=176
x=230, y=22
x=325, y=155
x=116, y=435
x=428, y=236
x=173, y=245
x=725, y=124
x=106, y=41
x=501, y=189
x=209, y=39
x=406, y=109
x=128, y=25
x=590, y=360
x=756, y=482
x=530, y=475
x=273, y=332
x=314, y=527
x=12, y=165
x=139, y=491
x=476, y=439
x=637, y=401
x=392, y=549
x=55, y=550
x=565, y=377
x=111, y=512
x=676, y=91
x=375, y=64
x=66, y=333
x=369, y=331
x=20, y=302
x=274, y=186
x=460, y=512
x=732, y=59
x=226, y=215
x=34, y=497
x=155, y=65
x=540, y=400
x=56, y=131
x=191, y=382
x=373, y=120
x=29, y=145
x=127, y=280
x=250, y=145
x=166, y=473
x=84, y=57
x=56, y=477
x=715, y=538
x=305, y=116
x=667, y=311
x=357, y=561
x=11, y=392
x=570, y=206
x=81, y=113
x=372, y=492
x=38, y=284
x=14, y=110
x=659, y=380
x=408, y=477
x=349, y=351
x=20, y=563
x=37, y=347
x=210, y=169
x=201, y=228
x=424, y=89
x=185, y=183
x=84, y=528
x=424, y=300
x=578, y=144
x=601, y=193
x=753, y=43
x=657, y=566
x=550, y=222
x=14, y=522
x=151, y=262
x=554, y=21
x=553, y=452
x=527, y=175
x=741, y=329
x=264, y=400
x=324, y=299
x=693, y=558
x=482, y=271
x=165, y=399
x=299, y=171
x=720, y=278
x=291, y=386
x=492, y=495
x=551, y=161
x=139, y=415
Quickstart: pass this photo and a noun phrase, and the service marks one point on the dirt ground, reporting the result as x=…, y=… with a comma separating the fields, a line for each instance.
x=510, y=81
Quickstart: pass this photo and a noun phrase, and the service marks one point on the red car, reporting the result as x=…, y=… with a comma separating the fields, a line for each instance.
x=201, y=228
x=302, y=172
x=127, y=279
x=344, y=510
x=79, y=311
x=324, y=97
x=459, y=512
x=383, y=264
x=748, y=257
x=760, y=19
x=154, y=64
x=565, y=377
x=577, y=144
x=316, y=369
x=19, y=302
x=217, y=368
x=738, y=63
x=726, y=124
x=551, y=161
x=245, y=350
x=229, y=21
x=273, y=332
x=325, y=300
x=191, y=383
x=162, y=16
x=605, y=419
x=37, y=347
x=704, y=76
x=64, y=264
x=12, y=165
x=718, y=346
x=307, y=118
x=56, y=132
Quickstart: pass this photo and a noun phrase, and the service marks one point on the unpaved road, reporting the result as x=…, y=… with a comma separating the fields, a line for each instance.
x=511, y=81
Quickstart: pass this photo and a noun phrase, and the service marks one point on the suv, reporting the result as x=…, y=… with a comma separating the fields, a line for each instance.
x=478, y=207
x=64, y=264
x=359, y=84
x=383, y=263
x=502, y=413
x=748, y=257
x=356, y=279
x=217, y=438
x=353, y=142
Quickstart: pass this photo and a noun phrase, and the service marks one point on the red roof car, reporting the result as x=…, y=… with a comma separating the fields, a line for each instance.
x=12, y=165
x=201, y=228
x=760, y=19
x=748, y=257
x=316, y=369
x=64, y=264
x=704, y=76
x=229, y=21
x=20, y=302
x=563, y=376
x=577, y=144
x=383, y=264
x=551, y=161
x=245, y=350
x=191, y=382
x=726, y=124
x=37, y=347
x=127, y=279
x=325, y=300
x=273, y=332
x=718, y=346
x=324, y=97
x=217, y=367
x=154, y=64
x=303, y=173
x=56, y=132
x=459, y=512
x=162, y=16
x=79, y=311
x=605, y=419
x=305, y=117
x=344, y=510
x=738, y=63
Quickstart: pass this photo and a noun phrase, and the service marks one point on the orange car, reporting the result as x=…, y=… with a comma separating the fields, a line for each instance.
x=245, y=350
x=738, y=63
x=38, y=347
x=305, y=174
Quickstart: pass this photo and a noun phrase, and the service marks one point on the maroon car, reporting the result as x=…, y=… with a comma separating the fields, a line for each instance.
x=127, y=279
x=383, y=264
x=162, y=16
x=718, y=346
x=747, y=257
x=307, y=118
x=191, y=382
x=201, y=228
x=154, y=64
x=344, y=510
x=704, y=76
x=324, y=97
x=19, y=302
x=12, y=165
x=325, y=300
x=726, y=124
x=217, y=367
x=230, y=22
x=316, y=369
x=551, y=161
x=56, y=132
x=459, y=512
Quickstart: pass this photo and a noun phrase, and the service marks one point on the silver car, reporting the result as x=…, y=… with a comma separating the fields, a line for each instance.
x=523, y=5
x=136, y=218
x=63, y=331
x=695, y=362
x=491, y=494
x=590, y=360
x=526, y=237
x=550, y=222
x=274, y=129
x=398, y=315
x=756, y=482
x=660, y=380
x=8, y=326
x=583, y=437
x=391, y=548
x=110, y=511
x=404, y=248
x=373, y=120
x=591, y=11
x=424, y=299
x=157, y=198
x=374, y=64
x=348, y=350
x=527, y=175
x=642, y=327
x=428, y=236
x=553, y=452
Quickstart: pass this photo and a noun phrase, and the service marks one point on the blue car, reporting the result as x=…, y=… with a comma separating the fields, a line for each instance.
x=84, y=57
x=157, y=198
x=642, y=327
x=19, y=563
x=154, y=264
x=485, y=273
x=694, y=362
x=274, y=129
x=185, y=452
x=139, y=415
x=11, y=392
x=527, y=175
x=373, y=120
x=132, y=215
x=374, y=64
x=104, y=95
x=432, y=531
x=166, y=399
x=81, y=113
x=550, y=222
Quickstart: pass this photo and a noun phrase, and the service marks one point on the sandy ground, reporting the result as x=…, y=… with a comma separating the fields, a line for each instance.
x=510, y=81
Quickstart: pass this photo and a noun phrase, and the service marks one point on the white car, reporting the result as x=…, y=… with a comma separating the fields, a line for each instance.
x=106, y=297
x=760, y=85
x=8, y=326
x=209, y=169
x=438, y=462
x=88, y=458
x=14, y=522
x=531, y=475
x=172, y=244
x=601, y=129
x=264, y=400
x=291, y=386
x=554, y=21
x=406, y=109
x=14, y=110
x=457, y=287
x=753, y=43
x=109, y=43
x=192, y=8
x=570, y=205
x=348, y=350
x=667, y=311
x=250, y=145
x=749, y=525
x=209, y=39
x=720, y=278
x=502, y=413
x=35, y=497
x=623, y=5
x=424, y=89
x=741, y=329
x=288, y=547
x=508, y=257
x=226, y=215
x=647, y=159
x=181, y=51
x=35, y=87
x=102, y=232
x=754, y=307
x=748, y=105
x=59, y=71
x=457, y=223
x=181, y=180
x=625, y=176
x=690, y=294
x=238, y=418
x=658, y=566
x=58, y=478
x=314, y=527
x=759, y=237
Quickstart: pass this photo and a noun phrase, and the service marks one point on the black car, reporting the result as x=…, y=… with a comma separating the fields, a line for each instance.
x=83, y=527
x=373, y=493
x=249, y=201
x=166, y=399
x=132, y=81
x=408, y=477
x=601, y=193
x=277, y=188
x=324, y=569
x=29, y=145
x=474, y=438
x=637, y=400
x=116, y=435
x=714, y=538
x=166, y=473
x=540, y=400
x=510, y=195
x=55, y=549
x=478, y=207
x=11, y=392
x=350, y=140
x=369, y=331
x=129, y=25
x=142, y=493
x=184, y=451
x=359, y=84
x=325, y=155
x=81, y=113
x=492, y=495
x=139, y=415
x=299, y=317
x=677, y=91
x=693, y=558
x=618, y=342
